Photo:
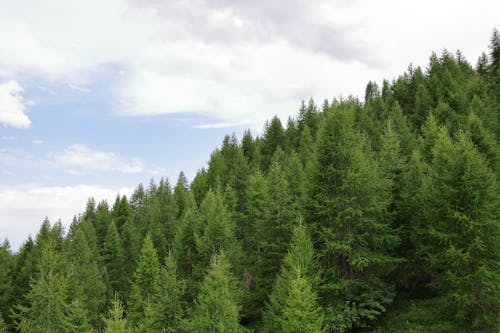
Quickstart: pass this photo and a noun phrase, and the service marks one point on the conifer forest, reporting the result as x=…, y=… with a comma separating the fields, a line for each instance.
x=375, y=214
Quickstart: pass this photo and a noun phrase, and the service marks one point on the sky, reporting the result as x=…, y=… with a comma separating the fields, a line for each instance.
x=99, y=96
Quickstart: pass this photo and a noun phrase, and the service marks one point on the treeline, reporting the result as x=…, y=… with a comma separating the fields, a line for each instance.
x=374, y=216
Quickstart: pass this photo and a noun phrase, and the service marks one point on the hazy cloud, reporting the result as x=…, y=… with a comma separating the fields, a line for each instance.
x=45, y=201
x=78, y=159
x=12, y=106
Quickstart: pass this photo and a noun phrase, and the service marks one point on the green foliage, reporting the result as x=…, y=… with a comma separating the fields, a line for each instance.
x=145, y=284
x=215, y=232
x=116, y=322
x=217, y=307
x=49, y=308
x=86, y=280
x=301, y=312
x=297, y=279
x=400, y=196
x=352, y=231
x=164, y=312
x=462, y=216
x=114, y=261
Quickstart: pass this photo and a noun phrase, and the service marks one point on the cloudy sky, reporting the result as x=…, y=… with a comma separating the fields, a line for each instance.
x=97, y=96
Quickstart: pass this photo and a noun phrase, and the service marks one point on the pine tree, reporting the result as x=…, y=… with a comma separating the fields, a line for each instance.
x=164, y=312
x=86, y=278
x=215, y=232
x=351, y=229
x=275, y=230
x=462, y=213
x=7, y=264
x=3, y=325
x=217, y=307
x=114, y=261
x=145, y=283
x=101, y=222
x=49, y=308
x=301, y=312
x=116, y=322
x=274, y=137
x=299, y=264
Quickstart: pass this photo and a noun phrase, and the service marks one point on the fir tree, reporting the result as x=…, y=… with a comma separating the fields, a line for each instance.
x=462, y=213
x=352, y=231
x=145, y=283
x=299, y=264
x=114, y=261
x=86, y=278
x=116, y=322
x=49, y=308
x=217, y=307
x=301, y=312
x=164, y=312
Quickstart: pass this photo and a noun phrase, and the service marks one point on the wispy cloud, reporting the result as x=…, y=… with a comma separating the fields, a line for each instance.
x=79, y=159
x=13, y=106
x=37, y=142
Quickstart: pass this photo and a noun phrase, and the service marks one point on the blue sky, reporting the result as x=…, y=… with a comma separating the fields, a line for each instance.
x=96, y=96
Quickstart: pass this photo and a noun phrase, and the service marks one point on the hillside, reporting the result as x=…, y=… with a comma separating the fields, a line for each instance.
x=378, y=215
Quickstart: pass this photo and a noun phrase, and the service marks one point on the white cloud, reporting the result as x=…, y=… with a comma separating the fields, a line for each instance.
x=12, y=105
x=9, y=138
x=234, y=61
x=37, y=142
x=79, y=159
x=54, y=202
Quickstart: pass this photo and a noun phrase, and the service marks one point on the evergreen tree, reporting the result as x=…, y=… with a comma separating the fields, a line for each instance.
x=145, y=283
x=3, y=325
x=7, y=262
x=215, y=232
x=116, y=322
x=299, y=264
x=86, y=278
x=101, y=222
x=164, y=312
x=275, y=230
x=301, y=312
x=217, y=307
x=351, y=228
x=274, y=137
x=114, y=261
x=462, y=219
x=49, y=309
x=185, y=250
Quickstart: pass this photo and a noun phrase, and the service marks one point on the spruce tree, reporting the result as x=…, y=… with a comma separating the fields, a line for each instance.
x=145, y=282
x=351, y=229
x=462, y=219
x=217, y=307
x=301, y=312
x=116, y=322
x=86, y=278
x=299, y=264
x=215, y=232
x=49, y=307
x=165, y=311
x=114, y=261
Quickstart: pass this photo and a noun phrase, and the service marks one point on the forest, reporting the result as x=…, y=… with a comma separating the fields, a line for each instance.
x=374, y=215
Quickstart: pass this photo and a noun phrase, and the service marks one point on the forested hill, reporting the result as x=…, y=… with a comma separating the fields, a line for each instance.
x=356, y=216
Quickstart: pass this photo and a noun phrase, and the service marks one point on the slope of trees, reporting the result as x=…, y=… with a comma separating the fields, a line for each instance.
x=379, y=215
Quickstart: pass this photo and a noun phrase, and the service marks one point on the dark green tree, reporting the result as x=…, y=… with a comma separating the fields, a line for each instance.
x=351, y=228
x=145, y=282
x=463, y=253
